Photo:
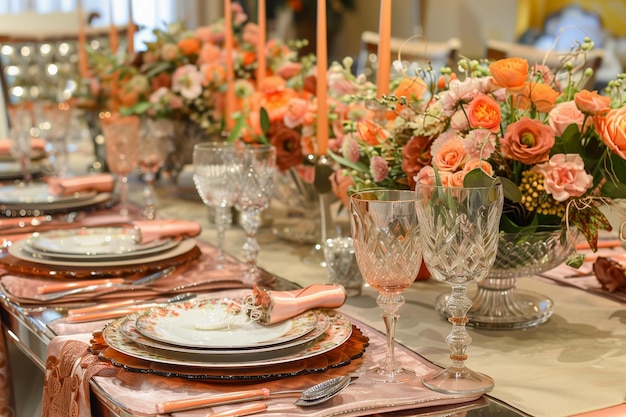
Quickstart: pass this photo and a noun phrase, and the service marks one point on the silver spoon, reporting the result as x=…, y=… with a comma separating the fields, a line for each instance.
x=314, y=395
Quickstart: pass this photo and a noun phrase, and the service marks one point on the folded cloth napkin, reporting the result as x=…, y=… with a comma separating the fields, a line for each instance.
x=37, y=144
x=70, y=185
x=69, y=367
x=150, y=230
x=611, y=274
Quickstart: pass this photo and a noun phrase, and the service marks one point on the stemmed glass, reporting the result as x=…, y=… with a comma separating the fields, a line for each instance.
x=154, y=144
x=385, y=234
x=121, y=135
x=56, y=119
x=459, y=231
x=21, y=138
x=254, y=193
x=217, y=169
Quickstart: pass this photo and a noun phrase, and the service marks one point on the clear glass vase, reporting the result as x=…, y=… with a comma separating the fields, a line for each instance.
x=497, y=302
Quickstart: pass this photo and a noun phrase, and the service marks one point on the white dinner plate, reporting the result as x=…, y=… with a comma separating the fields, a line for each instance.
x=128, y=329
x=337, y=333
x=191, y=323
x=92, y=242
x=19, y=249
x=37, y=194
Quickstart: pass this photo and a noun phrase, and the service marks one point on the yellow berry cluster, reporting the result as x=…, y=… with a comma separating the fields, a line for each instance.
x=535, y=198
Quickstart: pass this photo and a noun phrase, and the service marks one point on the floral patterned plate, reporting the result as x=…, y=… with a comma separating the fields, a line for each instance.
x=336, y=335
x=192, y=324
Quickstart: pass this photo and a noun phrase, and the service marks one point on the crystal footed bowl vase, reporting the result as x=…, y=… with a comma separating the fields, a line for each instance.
x=497, y=302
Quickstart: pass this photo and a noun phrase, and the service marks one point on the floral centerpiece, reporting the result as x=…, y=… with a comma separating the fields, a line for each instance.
x=560, y=149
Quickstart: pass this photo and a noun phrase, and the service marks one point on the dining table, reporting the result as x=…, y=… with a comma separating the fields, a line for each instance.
x=572, y=365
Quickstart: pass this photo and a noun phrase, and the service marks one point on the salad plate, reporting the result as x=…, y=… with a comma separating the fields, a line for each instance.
x=337, y=333
x=94, y=242
x=199, y=324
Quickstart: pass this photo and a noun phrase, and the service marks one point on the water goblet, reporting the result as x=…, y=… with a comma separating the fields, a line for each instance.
x=254, y=193
x=54, y=124
x=21, y=138
x=121, y=135
x=459, y=231
x=154, y=145
x=385, y=234
x=216, y=173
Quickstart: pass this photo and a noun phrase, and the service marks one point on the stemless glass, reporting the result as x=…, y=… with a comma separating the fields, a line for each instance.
x=216, y=173
x=154, y=145
x=121, y=135
x=385, y=234
x=255, y=189
x=459, y=232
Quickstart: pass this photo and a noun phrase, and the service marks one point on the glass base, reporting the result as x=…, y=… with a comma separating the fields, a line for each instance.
x=458, y=381
x=511, y=309
x=315, y=256
x=382, y=375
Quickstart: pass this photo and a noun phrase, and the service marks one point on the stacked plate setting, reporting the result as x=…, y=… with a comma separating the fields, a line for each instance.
x=203, y=334
x=96, y=247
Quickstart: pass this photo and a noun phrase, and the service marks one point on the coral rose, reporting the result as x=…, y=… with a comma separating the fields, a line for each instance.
x=592, y=103
x=565, y=176
x=563, y=115
x=510, y=72
x=528, y=141
x=287, y=144
x=483, y=111
x=612, y=128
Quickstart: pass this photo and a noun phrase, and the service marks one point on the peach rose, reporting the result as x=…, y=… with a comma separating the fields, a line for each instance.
x=456, y=179
x=483, y=111
x=563, y=115
x=565, y=176
x=510, y=72
x=478, y=163
x=289, y=69
x=296, y=110
x=612, y=128
x=592, y=103
x=209, y=53
x=528, y=141
x=450, y=156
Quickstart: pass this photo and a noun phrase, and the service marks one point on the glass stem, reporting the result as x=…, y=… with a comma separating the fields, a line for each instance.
x=222, y=218
x=124, y=195
x=390, y=303
x=250, y=223
x=149, y=199
x=458, y=305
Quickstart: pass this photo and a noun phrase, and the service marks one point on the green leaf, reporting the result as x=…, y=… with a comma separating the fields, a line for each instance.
x=265, y=120
x=234, y=133
x=569, y=142
x=511, y=190
x=477, y=178
x=359, y=166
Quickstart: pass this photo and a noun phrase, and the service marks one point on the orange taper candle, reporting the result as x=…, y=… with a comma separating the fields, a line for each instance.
x=112, y=30
x=230, y=70
x=261, y=61
x=321, y=85
x=83, y=65
x=384, y=52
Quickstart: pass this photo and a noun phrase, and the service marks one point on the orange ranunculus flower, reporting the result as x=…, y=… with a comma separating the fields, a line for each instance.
x=612, y=128
x=371, y=132
x=276, y=103
x=541, y=95
x=213, y=74
x=248, y=58
x=189, y=46
x=510, y=72
x=411, y=88
x=528, y=141
x=592, y=103
x=483, y=111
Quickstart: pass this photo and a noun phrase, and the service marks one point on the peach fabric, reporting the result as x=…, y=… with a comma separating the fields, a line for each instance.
x=617, y=411
x=70, y=185
x=37, y=144
x=7, y=401
x=150, y=230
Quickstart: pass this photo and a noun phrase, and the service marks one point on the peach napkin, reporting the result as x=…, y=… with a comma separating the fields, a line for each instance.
x=37, y=144
x=70, y=185
x=150, y=230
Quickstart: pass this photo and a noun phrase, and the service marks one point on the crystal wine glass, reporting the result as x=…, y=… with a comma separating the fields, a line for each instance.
x=21, y=141
x=154, y=145
x=459, y=232
x=121, y=135
x=216, y=173
x=385, y=234
x=255, y=189
x=55, y=121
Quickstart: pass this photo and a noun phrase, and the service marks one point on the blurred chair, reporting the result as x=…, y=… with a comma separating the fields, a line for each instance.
x=410, y=52
x=553, y=59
